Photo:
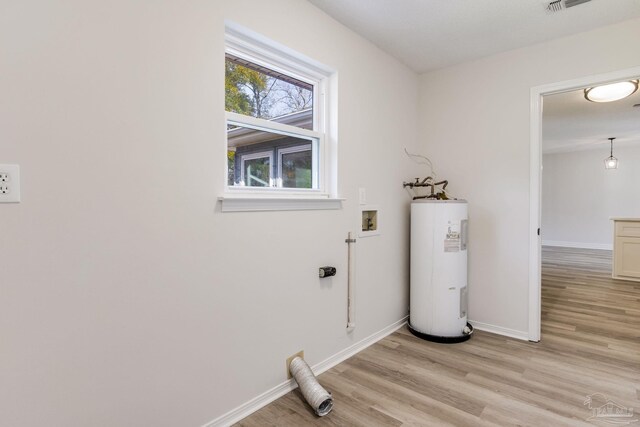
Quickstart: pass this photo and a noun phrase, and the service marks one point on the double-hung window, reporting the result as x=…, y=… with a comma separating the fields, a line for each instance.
x=277, y=117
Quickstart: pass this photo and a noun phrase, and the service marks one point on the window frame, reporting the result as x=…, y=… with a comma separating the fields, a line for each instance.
x=255, y=48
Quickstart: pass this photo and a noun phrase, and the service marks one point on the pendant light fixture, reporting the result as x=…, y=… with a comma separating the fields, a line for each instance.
x=611, y=162
x=611, y=92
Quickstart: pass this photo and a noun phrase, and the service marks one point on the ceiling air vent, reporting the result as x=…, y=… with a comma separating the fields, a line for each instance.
x=571, y=3
x=558, y=5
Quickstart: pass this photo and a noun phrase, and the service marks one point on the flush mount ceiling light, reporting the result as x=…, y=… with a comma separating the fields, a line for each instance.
x=611, y=162
x=611, y=92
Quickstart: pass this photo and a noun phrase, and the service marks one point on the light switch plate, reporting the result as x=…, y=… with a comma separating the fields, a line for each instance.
x=9, y=183
x=362, y=196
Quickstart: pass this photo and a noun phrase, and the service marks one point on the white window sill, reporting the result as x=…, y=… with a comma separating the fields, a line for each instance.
x=246, y=203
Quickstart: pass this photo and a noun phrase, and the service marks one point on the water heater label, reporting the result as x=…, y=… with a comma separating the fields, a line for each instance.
x=452, y=239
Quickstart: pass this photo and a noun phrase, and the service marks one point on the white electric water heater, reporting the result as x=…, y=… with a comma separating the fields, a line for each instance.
x=438, y=291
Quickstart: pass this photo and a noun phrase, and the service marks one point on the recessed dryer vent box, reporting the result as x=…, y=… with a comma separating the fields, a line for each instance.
x=370, y=221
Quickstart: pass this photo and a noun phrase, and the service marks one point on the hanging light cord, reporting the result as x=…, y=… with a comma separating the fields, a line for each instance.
x=611, y=141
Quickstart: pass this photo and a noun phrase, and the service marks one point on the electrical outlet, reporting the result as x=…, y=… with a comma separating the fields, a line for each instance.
x=9, y=184
x=299, y=354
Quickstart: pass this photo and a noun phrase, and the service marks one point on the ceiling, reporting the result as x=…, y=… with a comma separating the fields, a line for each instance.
x=431, y=34
x=571, y=123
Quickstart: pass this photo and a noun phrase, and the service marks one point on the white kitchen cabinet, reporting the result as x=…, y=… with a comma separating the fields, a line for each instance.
x=626, y=249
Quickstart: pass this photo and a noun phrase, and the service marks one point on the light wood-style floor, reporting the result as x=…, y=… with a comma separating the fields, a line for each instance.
x=590, y=344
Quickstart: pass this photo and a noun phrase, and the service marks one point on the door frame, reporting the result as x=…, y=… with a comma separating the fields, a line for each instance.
x=535, y=179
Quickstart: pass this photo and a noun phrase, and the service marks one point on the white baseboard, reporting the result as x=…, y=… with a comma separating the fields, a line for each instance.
x=578, y=245
x=280, y=390
x=521, y=335
x=253, y=405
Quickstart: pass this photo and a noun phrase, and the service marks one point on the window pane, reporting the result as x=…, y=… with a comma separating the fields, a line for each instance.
x=257, y=172
x=256, y=91
x=260, y=158
x=296, y=169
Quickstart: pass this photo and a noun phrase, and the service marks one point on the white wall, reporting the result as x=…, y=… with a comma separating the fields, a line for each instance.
x=579, y=196
x=127, y=297
x=475, y=127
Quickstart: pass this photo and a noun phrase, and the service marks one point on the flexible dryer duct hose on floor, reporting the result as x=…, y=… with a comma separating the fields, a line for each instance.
x=317, y=397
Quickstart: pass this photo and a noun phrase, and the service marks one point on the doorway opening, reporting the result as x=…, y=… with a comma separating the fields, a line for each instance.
x=561, y=94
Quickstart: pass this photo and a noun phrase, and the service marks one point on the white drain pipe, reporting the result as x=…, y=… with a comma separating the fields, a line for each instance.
x=351, y=316
x=318, y=398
